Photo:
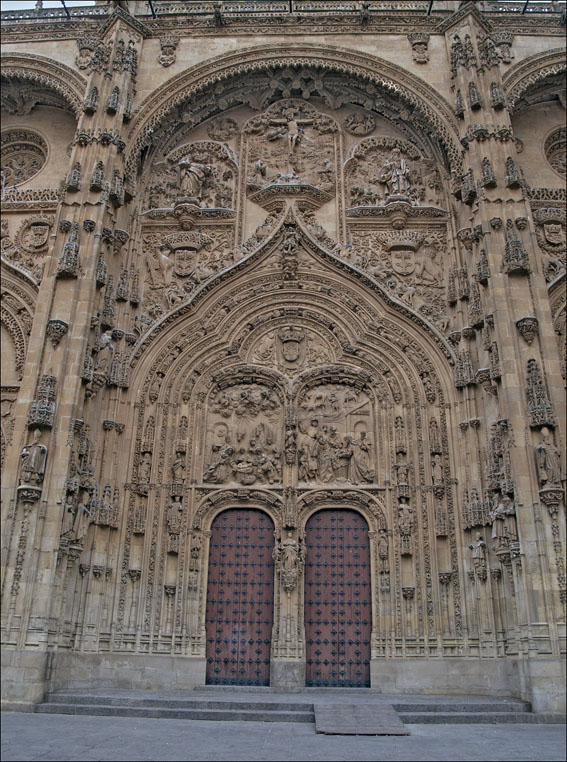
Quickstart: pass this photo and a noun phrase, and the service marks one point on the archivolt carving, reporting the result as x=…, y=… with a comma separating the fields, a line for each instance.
x=17, y=311
x=46, y=73
x=219, y=501
x=369, y=506
x=433, y=109
x=531, y=71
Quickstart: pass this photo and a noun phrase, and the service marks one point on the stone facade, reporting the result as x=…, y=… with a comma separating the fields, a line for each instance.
x=287, y=262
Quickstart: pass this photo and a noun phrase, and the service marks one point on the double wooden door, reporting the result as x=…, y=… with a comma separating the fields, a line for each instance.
x=240, y=599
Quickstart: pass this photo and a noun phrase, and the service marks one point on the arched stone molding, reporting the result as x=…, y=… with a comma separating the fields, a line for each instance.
x=218, y=501
x=19, y=295
x=47, y=73
x=157, y=107
x=168, y=325
x=369, y=506
x=557, y=301
x=531, y=71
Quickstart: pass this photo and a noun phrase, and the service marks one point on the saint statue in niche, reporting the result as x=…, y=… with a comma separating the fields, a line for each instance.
x=33, y=457
x=548, y=458
x=395, y=174
x=193, y=175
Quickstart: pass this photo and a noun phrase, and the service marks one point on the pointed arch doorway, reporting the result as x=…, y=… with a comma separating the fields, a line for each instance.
x=240, y=598
x=338, y=600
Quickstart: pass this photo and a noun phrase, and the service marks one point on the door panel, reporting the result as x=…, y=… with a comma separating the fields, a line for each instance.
x=338, y=611
x=240, y=598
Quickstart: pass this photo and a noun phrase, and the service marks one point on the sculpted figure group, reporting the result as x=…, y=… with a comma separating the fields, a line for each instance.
x=325, y=457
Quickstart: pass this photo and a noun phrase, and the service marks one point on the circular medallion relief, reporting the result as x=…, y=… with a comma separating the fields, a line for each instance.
x=554, y=149
x=24, y=153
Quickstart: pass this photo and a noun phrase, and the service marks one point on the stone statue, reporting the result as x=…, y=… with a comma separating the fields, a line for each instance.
x=503, y=522
x=383, y=552
x=178, y=468
x=548, y=459
x=478, y=554
x=405, y=524
x=146, y=468
x=174, y=514
x=105, y=352
x=34, y=456
x=289, y=556
x=405, y=518
x=437, y=470
x=68, y=516
x=360, y=470
x=192, y=177
x=82, y=519
x=395, y=174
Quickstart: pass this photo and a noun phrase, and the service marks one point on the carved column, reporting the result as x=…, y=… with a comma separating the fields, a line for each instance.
x=69, y=297
x=497, y=240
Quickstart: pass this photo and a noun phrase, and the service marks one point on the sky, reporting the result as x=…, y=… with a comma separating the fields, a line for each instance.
x=19, y=5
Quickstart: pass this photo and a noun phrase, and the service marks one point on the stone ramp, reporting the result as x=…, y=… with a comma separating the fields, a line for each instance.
x=359, y=720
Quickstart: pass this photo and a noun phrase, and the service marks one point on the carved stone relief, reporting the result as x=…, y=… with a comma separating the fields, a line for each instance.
x=202, y=174
x=335, y=440
x=291, y=348
x=23, y=154
x=244, y=436
x=550, y=234
x=409, y=263
x=384, y=169
x=290, y=149
x=177, y=263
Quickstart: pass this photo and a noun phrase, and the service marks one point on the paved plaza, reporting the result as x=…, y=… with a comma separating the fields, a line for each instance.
x=85, y=738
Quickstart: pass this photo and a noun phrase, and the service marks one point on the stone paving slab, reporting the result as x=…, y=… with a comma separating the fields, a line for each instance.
x=358, y=720
x=35, y=737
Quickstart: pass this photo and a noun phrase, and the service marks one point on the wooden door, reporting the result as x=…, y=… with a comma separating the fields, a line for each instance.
x=338, y=610
x=240, y=598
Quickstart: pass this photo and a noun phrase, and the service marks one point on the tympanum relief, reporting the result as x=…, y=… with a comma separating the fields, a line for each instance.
x=335, y=436
x=384, y=169
x=291, y=348
x=244, y=436
x=290, y=149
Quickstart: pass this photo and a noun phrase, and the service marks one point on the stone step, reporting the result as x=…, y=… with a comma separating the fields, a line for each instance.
x=307, y=690
x=176, y=703
x=272, y=704
x=446, y=707
x=231, y=714
x=277, y=707
x=478, y=718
